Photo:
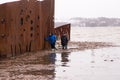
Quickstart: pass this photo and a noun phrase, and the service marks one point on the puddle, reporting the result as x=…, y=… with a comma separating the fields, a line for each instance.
x=91, y=64
x=95, y=64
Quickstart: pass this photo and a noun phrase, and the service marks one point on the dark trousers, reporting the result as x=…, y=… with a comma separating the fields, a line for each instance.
x=64, y=46
x=53, y=46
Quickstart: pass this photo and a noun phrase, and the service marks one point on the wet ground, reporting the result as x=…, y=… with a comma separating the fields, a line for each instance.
x=91, y=64
x=94, y=64
x=94, y=59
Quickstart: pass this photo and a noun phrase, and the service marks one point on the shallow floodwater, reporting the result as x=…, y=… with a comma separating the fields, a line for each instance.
x=92, y=64
x=89, y=64
x=95, y=64
x=96, y=34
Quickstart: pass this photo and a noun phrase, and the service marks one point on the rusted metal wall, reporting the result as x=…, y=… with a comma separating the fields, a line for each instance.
x=47, y=19
x=2, y=30
x=60, y=30
x=24, y=25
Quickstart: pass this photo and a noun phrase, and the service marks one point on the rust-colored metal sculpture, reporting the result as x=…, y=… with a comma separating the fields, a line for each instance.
x=24, y=24
x=61, y=28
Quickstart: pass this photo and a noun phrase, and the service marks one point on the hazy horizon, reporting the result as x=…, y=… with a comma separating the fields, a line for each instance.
x=65, y=9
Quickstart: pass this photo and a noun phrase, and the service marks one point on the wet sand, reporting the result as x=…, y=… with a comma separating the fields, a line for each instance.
x=94, y=59
x=38, y=65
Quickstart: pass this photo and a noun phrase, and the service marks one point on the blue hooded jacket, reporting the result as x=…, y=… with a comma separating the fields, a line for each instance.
x=51, y=39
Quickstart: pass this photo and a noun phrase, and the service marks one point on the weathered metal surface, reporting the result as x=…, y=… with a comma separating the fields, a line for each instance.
x=24, y=25
x=62, y=28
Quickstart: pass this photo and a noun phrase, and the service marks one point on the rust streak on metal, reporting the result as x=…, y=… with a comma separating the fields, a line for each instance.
x=24, y=24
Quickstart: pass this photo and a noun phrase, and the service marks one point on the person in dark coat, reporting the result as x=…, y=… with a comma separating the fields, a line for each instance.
x=64, y=41
x=52, y=40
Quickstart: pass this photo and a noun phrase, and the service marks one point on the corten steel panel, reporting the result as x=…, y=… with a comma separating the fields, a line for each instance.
x=52, y=15
x=30, y=23
x=38, y=27
x=18, y=32
x=32, y=31
x=11, y=27
x=47, y=21
x=24, y=25
x=63, y=29
x=2, y=30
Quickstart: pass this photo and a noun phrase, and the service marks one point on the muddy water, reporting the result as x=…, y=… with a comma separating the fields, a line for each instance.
x=88, y=64
x=96, y=64
x=92, y=64
x=96, y=34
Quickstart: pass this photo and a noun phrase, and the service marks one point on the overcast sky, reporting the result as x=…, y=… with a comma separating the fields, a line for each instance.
x=3, y=1
x=87, y=8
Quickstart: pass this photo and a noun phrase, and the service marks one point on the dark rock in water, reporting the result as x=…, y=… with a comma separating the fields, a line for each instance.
x=63, y=70
x=92, y=61
x=111, y=60
x=105, y=60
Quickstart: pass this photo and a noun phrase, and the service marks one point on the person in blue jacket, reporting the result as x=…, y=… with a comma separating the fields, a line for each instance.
x=52, y=40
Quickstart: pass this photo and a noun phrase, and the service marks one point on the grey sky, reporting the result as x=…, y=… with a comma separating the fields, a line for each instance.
x=84, y=8
x=87, y=8
x=3, y=1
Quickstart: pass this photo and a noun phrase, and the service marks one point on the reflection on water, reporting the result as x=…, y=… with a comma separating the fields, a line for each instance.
x=91, y=64
x=93, y=56
x=88, y=65
x=64, y=58
x=52, y=57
